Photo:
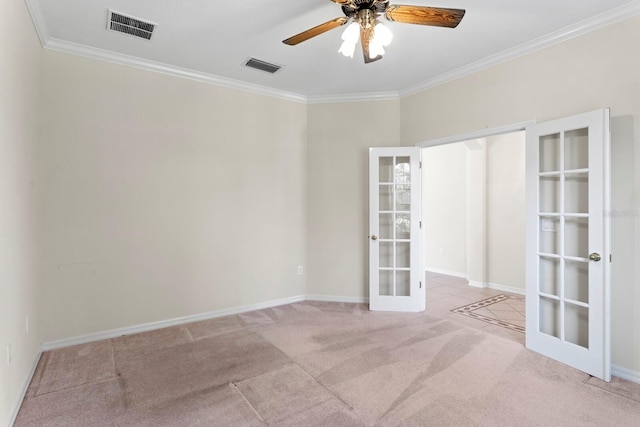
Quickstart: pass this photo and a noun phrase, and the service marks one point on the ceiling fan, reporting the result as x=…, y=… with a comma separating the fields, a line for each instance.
x=373, y=35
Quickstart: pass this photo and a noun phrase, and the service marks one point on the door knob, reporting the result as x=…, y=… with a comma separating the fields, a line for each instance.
x=374, y=237
x=595, y=257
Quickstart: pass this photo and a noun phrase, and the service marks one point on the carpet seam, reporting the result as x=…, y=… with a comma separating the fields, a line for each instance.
x=255, y=411
x=77, y=386
x=323, y=386
x=586, y=382
x=188, y=333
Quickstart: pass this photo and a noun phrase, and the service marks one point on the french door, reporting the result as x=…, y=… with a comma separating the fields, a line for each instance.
x=568, y=251
x=395, y=267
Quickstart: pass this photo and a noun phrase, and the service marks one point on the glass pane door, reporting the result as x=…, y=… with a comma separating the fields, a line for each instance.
x=394, y=223
x=394, y=211
x=568, y=241
x=563, y=191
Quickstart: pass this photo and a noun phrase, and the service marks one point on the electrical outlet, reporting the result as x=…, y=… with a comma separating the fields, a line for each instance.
x=441, y=251
x=300, y=270
x=8, y=354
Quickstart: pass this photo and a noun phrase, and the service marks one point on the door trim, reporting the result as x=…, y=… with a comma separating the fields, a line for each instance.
x=515, y=127
x=607, y=246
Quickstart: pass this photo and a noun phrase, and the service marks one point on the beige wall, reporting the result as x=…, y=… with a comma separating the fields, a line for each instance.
x=338, y=191
x=596, y=70
x=19, y=97
x=506, y=235
x=164, y=197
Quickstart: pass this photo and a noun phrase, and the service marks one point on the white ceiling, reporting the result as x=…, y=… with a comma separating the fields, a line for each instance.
x=211, y=40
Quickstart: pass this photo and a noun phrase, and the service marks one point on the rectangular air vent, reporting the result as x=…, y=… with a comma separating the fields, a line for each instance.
x=130, y=25
x=262, y=65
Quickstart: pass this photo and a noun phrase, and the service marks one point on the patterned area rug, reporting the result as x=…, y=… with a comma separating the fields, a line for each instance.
x=501, y=310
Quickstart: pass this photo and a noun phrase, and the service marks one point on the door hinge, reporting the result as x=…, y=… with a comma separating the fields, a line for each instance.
x=610, y=258
x=420, y=224
x=420, y=285
x=420, y=164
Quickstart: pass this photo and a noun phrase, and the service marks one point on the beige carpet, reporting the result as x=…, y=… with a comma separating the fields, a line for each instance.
x=318, y=364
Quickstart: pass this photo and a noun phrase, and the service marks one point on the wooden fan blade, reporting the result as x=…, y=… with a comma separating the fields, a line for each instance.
x=423, y=15
x=365, y=37
x=312, y=32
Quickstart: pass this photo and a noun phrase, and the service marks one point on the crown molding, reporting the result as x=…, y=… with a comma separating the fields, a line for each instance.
x=38, y=21
x=615, y=15
x=159, y=67
x=611, y=17
x=354, y=97
x=172, y=70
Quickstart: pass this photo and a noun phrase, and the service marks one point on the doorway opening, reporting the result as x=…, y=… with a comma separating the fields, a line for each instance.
x=474, y=232
x=567, y=234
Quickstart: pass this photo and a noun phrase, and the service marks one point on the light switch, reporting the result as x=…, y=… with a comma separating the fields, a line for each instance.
x=548, y=225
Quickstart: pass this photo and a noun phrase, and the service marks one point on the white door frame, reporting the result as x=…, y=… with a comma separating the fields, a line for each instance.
x=516, y=127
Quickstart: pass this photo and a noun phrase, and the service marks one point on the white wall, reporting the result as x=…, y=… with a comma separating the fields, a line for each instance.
x=476, y=212
x=19, y=108
x=473, y=208
x=596, y=70
x=164, y=197
x=444, y=211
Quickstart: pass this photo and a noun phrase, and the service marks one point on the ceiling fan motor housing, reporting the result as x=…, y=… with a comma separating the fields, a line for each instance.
x=353, y=8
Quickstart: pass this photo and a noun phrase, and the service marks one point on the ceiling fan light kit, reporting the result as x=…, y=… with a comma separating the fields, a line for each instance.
x=350, y=39
x=366, y=27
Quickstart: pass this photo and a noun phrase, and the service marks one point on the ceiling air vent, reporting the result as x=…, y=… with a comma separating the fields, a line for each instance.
x=130, y=25
x=262, y=65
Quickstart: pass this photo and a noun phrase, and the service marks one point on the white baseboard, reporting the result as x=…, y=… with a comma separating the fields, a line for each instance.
x=447, y=272
x=625, y=374
x=506, y=288
x=23, y=391
x=497, y=287
x=145, y=327
x=112, y=333
x=334, y=298
x=475, y=284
